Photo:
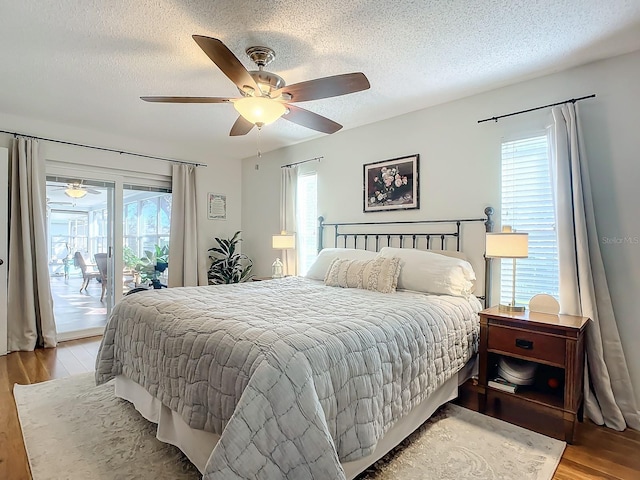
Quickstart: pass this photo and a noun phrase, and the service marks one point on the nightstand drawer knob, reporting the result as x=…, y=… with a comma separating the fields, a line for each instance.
x=526, y=344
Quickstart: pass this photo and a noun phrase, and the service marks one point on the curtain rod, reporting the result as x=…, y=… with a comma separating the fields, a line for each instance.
x=104, y=149
x=572, y=100
x=303, y=161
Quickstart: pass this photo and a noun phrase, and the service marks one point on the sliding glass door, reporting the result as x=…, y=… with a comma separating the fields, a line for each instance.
x=108, y=233
x=80, y=236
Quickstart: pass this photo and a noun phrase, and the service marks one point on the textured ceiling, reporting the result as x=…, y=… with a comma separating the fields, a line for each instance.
x=87, y=62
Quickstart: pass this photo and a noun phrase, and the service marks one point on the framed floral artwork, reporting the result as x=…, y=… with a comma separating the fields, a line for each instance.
x=392, y=184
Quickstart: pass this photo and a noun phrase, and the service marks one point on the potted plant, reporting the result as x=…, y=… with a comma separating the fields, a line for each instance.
x=228, y=266
x=130, y=258
x=152, y=264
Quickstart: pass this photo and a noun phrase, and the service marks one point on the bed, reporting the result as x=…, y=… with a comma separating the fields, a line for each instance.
x=291, y=378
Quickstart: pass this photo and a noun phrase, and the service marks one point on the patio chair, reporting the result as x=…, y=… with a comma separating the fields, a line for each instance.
x=78, y=261
x=101, y=262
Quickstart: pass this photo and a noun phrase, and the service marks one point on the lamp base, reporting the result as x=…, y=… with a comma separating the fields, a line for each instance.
x=511, y=308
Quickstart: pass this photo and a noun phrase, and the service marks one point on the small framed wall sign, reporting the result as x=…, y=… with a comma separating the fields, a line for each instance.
x=392, y=184
x=216, y=206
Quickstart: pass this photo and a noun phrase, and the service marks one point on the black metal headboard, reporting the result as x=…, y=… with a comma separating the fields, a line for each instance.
x=441, y=235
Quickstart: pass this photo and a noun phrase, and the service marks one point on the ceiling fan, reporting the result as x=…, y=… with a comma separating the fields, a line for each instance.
x=265, y=96
x=77, y=190
x=51, y=202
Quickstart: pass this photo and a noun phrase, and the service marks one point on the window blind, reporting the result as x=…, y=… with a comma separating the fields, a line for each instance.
x=307, y=221
x=528, y=206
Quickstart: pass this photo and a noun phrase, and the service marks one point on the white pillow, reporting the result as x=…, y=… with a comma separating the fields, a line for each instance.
x=425, y=271
x=451, y=253
x=320, y=267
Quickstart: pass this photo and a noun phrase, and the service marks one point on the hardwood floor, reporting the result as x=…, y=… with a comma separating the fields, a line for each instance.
x=598, y=453
x=70, y=358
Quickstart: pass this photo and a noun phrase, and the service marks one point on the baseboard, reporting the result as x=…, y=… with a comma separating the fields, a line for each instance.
x=77, y=334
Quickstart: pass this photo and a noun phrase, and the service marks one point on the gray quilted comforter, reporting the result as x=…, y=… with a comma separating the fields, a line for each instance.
x=295, y=376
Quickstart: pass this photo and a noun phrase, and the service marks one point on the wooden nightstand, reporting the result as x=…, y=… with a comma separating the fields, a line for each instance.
x=556, y=344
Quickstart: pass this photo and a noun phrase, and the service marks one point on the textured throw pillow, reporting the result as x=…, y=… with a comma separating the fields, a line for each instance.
x=319, y=268
x=379, y=274
x=428, y=272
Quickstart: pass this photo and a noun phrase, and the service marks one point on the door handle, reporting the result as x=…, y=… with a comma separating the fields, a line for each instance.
x=1, y=261
x=110, y=252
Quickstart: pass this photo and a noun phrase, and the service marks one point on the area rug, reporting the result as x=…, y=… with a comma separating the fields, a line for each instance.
x=74, y=430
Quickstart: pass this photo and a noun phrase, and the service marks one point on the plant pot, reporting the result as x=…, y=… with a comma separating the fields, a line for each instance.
x=161, y=266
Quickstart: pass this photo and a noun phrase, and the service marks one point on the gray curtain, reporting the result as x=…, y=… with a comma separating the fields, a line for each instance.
x=183, y=237
x=288, y=193
x=30, y=306
x=609, y=397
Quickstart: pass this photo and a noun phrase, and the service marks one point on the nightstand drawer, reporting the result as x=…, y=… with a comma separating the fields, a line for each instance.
x=531, y=345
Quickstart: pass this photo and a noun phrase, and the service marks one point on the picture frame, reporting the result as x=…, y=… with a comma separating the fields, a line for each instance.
x=216, y=206
x=392, y=184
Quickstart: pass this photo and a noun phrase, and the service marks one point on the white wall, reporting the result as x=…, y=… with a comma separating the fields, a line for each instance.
x=207, y=178
x=460, y=168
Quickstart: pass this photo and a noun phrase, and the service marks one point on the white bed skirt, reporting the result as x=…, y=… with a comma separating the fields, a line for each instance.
x=197, y=445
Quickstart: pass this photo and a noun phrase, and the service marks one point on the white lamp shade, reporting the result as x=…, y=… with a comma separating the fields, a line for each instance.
x=260, y=110
x=284, y=241
x=507, y=245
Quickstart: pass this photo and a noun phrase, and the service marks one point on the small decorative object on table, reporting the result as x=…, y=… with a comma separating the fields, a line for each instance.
x=277, y=269
x=543, y=303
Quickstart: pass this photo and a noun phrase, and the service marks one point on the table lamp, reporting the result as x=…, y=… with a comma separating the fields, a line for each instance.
x=508, y=244
x=283, y=241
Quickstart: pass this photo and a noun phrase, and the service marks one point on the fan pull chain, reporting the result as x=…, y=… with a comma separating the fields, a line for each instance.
x=259, y=155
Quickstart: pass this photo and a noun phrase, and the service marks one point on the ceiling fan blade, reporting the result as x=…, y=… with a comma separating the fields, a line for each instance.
x=311, y=120
x=242, y=126
x=186, y=99
x=91, y=190
x=227, y=62
x=325, y=87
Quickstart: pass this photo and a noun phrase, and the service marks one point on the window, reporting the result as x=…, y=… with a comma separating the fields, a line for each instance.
x=147, y=217
x=146, y=222
x=307, y=221
x=527, y=205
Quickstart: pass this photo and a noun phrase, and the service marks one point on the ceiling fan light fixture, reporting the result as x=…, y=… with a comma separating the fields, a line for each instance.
x=259, y=110
x=75, y=192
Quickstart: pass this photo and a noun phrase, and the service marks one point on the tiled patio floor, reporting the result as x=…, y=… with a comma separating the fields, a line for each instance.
x=74, y=310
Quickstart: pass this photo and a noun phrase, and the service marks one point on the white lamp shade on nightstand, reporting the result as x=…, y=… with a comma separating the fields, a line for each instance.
x=284, y=241
x=507, y=245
